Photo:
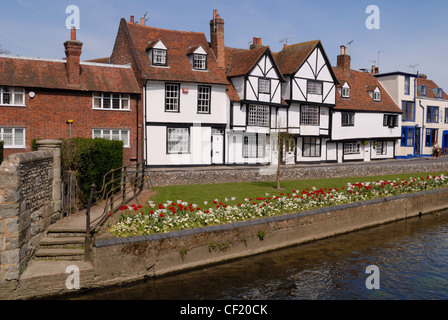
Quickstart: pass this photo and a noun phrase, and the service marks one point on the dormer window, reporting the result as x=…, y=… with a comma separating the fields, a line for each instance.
x=159, y=57
x=345, y=91
x=423, y=90
x=198, y=58
x=158, y=53
x=439, y=93
x=377, y=96
x=200, y=61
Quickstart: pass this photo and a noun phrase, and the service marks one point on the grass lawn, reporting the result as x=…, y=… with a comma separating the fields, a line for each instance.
x=197, y=194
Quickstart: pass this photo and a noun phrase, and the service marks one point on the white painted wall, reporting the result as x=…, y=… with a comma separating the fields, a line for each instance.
x=200, y=147
x=155, y=105
x=367, y=125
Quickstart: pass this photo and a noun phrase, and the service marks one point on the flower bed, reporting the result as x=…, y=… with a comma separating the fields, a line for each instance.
x=179, y=215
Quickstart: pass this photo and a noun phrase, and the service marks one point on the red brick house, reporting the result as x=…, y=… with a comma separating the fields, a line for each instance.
x=53, y=99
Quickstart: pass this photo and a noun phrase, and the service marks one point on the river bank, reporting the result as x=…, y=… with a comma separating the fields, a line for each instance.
x=118, y=261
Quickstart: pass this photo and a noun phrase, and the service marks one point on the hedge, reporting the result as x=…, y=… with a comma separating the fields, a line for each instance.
x=91, y=159
x=1, y=151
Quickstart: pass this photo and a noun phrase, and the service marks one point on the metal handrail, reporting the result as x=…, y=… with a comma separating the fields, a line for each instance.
x=123, y=184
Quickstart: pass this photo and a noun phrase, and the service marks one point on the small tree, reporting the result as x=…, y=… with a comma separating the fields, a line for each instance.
x=283, y=135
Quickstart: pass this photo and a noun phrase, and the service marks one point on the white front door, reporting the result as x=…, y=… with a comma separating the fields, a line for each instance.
x=217, y=147
x=289, y=151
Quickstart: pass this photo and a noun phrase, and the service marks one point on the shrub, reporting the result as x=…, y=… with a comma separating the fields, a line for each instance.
x=1, y=151
x=91, y=159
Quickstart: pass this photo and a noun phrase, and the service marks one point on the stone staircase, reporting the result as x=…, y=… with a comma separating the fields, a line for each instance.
x=62, y=245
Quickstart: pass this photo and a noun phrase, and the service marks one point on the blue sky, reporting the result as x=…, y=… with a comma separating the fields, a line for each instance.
x=411, y=32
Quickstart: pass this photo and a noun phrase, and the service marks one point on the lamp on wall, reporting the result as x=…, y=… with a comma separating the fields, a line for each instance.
x=70, y=122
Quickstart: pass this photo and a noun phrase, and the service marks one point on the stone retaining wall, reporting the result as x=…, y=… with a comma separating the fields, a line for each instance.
x=128, y=259
x=27, y=208
x=211, y=175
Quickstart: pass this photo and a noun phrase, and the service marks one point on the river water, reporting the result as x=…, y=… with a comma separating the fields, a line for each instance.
x=411, y=256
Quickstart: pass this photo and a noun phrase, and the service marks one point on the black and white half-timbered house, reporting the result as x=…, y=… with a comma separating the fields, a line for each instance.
x=256, y=105
x=310, y=92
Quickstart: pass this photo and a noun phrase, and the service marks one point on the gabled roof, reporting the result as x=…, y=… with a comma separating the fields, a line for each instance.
x=360, y=100
x=291, y=58
x=240, y=62
x=179, y=44
x=430, y=85
x=45, y=73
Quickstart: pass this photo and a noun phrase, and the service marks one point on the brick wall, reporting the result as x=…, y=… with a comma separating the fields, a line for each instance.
x=46, y=115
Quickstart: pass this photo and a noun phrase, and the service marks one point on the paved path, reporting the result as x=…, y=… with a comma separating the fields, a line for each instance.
x=42, y=274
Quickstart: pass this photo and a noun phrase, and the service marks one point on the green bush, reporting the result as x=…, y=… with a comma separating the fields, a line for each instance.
x=91, y=159
x=1, y=151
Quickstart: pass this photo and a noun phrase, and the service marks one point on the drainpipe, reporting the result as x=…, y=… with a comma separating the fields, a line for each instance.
x=423, y=114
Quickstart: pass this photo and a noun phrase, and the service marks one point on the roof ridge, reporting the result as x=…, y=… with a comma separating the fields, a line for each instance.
x=163, y=29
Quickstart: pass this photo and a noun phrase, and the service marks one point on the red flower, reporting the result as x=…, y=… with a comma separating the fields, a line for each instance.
x=162, y=215
x=152, y=212
x=110, y=214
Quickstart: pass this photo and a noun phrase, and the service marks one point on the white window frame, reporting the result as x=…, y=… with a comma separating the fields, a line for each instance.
x=258, y=115
x=159, y=57
x=14, y=93
x=172, y=97
x=111, y=101
x=178, y=140
x=377, y=96
x=345, y=92
x=110, y=136
x=309, y=115
x=352, y=148
x=13, y=135
x=199, y=61
x=204, y=99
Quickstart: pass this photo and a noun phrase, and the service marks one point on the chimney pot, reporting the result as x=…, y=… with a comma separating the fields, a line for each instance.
x=132, y=19
x=343, y=50
x=142, y=21
x=284, y=46
x=73, y=34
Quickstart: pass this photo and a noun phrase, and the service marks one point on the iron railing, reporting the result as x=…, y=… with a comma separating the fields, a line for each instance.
x=120, y=186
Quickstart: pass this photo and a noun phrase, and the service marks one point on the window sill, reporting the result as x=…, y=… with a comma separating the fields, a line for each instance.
x=121, y=110
x=13, y=147
x=13, y=105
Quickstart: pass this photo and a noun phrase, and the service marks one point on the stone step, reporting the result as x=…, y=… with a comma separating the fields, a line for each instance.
x=63, y=254
x=62, y=242
x=63, y=233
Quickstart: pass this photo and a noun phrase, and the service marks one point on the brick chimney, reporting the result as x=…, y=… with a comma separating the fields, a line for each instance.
x=257, y=43
x=132, y=20
x=217, y=38
x=73, y=50
x=344, y=60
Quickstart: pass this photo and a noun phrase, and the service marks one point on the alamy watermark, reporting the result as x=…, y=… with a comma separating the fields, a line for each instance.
x=73, y=280
x=373, y=281
x=74, y=18
x=373, y=20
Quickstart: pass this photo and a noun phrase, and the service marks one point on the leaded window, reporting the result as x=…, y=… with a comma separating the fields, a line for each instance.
x=258, y=116
x=309, y=115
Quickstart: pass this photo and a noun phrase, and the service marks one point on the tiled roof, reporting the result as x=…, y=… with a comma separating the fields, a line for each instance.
x=291, y=58
x=360, y=100
x=430, y=85
x=178, y=44
x=46, y=73
x=240, y=61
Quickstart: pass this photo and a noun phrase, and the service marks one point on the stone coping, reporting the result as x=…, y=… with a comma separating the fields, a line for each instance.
x=230, y=226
